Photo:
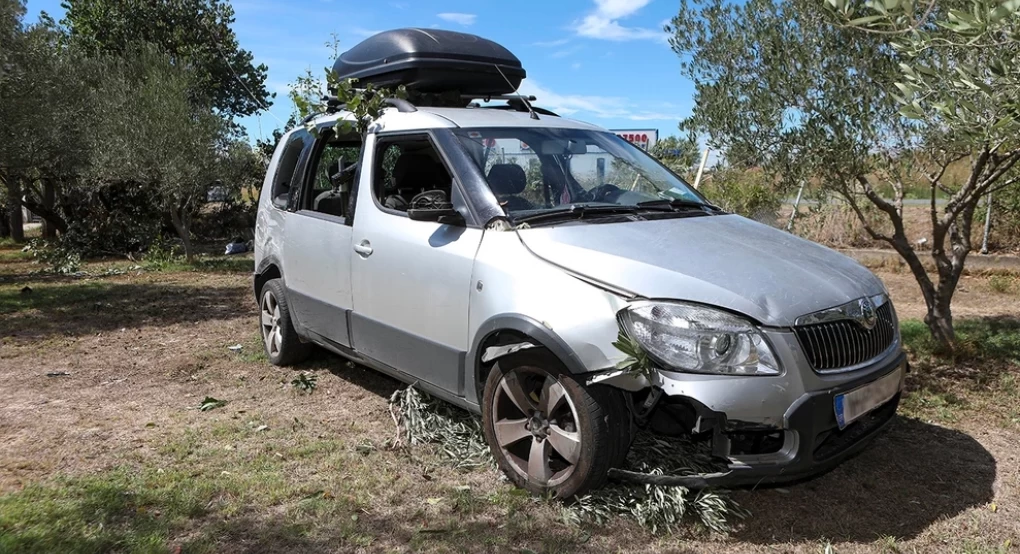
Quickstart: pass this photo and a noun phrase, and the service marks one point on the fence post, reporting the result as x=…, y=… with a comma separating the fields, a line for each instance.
x=701, y=168
x=796, y=206
x=988, y=224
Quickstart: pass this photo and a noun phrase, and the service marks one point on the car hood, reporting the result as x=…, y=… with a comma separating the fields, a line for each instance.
x=727, y=261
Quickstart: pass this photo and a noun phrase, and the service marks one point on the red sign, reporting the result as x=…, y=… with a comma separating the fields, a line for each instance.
x=642, y=138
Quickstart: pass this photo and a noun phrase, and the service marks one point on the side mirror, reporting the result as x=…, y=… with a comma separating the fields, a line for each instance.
x=446, y=216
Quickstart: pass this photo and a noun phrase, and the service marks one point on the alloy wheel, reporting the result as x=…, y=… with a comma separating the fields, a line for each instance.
x=272, y=335
x=535, y=426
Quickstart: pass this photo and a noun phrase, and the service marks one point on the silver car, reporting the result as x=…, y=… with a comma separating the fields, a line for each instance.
x=494, y=257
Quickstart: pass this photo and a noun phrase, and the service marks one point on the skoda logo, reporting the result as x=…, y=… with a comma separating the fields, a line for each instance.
x=866, y=315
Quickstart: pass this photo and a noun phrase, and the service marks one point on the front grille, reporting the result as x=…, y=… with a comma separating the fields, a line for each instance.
x=835, y=345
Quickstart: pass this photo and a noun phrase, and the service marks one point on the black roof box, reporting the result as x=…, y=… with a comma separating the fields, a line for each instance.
x=430, y=60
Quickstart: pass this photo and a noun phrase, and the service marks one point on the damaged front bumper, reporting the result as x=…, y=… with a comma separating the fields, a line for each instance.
x=765, y=446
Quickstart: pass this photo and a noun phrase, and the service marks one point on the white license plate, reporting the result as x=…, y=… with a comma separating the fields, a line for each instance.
x=852, y=405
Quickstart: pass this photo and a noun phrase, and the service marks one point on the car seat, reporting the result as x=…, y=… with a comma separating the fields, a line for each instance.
x=332, y=201
x=414, y=174
x=507, y=181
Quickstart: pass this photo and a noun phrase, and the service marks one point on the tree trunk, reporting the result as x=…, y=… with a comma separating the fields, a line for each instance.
x=49, y=231
x=939, y=320
x=52, y=218
x=183, y=227
x=5, y=227
x=15, y=215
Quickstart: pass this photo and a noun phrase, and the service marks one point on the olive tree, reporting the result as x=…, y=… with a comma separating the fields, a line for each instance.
x=787, y=86
x=196, y=33
x=48, y=108
x=679, y=155
x=165, y=142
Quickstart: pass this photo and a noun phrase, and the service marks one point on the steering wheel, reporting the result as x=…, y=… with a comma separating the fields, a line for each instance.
x=430, y=199
x=602, y=193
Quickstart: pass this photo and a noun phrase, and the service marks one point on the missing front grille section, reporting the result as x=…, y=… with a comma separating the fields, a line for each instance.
x=747, y=443
x=835, y=345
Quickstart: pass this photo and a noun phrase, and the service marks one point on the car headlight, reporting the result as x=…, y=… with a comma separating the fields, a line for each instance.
x=698, y=339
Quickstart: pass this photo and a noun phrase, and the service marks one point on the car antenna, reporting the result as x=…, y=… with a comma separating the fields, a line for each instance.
x=523, y=99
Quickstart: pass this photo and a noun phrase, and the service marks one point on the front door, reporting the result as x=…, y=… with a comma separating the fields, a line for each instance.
x=411, y=279
x=317, y=242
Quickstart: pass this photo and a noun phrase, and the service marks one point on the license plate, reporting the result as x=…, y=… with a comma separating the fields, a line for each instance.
x=852, y=405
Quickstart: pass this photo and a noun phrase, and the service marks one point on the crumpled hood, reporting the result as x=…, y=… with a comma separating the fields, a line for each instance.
x=728, y=261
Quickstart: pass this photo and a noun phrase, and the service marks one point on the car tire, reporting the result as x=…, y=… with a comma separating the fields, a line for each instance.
x=548, y=432
x=281, y=342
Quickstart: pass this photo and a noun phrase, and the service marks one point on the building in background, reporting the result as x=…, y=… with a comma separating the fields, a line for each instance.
x=643, y=138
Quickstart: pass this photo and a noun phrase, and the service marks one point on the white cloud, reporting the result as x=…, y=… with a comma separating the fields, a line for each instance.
x=565, y=52
x=615, y=9
x=458, y=18
x=551, y=43
x=604, y=107
x=603, y=23
x=575, y=66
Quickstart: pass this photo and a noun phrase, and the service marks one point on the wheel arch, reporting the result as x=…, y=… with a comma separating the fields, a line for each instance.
x=511, y=329
x=268, y=269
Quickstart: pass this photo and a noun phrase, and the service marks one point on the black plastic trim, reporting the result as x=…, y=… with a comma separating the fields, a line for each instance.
x=474, y=186
x=528, y=326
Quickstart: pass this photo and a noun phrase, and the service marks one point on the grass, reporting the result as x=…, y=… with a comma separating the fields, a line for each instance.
x=1003, y=284
x=981, y=375
x=153, y=510
x=275, y=470
x=206, y=264
x=980, y=340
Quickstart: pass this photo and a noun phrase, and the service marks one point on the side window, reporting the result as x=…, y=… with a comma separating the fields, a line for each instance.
x=282, y=184
x=408, y=173
x=330, y=175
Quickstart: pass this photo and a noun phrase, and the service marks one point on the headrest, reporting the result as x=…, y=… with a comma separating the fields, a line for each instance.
x=418, y=171
x=507, y=179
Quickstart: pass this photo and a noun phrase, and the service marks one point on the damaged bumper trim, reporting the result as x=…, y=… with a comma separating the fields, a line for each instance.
x=819, y=447
x=752, y=476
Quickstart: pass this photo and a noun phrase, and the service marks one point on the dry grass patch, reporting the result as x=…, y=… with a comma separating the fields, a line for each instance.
x=115, y=456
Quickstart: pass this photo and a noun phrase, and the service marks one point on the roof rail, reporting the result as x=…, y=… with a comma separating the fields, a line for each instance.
x=514, y=102
x=490, y=98
x=402, y=106
x=519, y=106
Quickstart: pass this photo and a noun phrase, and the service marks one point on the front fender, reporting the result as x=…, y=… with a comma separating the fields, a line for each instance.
x=514, y=290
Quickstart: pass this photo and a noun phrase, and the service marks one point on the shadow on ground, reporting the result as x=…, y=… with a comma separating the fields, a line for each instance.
x=358, y=375
x=95, y=306
x=912, y=476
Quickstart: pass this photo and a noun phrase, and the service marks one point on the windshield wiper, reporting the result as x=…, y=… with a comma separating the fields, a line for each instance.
x=678, y=205
x=576, y=211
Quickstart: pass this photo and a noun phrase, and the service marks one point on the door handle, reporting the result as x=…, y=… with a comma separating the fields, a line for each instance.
x=364, y=249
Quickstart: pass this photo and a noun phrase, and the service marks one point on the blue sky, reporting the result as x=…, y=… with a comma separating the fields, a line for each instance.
x=603, y=61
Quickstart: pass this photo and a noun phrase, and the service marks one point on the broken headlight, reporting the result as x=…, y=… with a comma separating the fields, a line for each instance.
x=698, y=339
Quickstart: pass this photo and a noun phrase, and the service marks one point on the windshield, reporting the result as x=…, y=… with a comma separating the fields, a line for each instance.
x=537, y=170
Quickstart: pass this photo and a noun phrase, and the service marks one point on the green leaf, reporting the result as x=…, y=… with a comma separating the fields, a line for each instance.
x=211, y=403
x=1006, y=120
x=1006, y=9
x=862, y=21
x=907, y=90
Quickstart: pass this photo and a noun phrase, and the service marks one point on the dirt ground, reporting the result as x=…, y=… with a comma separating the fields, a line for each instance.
x=100, y=379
